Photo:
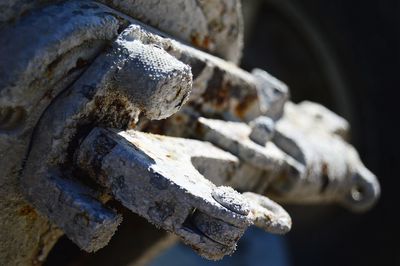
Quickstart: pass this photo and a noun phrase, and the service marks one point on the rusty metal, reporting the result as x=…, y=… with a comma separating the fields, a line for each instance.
x=71, y=95
x=95, y=103
x=155, y=177
x=305, y=161
x=97, y=97
x=312, y=135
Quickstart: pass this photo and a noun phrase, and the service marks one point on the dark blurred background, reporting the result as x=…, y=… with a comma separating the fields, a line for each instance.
x=345, y=55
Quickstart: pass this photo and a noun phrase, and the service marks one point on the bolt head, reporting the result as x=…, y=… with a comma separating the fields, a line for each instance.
x=262, y=130
x=231, y=199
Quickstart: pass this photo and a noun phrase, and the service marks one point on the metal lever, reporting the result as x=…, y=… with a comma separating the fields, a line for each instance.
x=154, y=176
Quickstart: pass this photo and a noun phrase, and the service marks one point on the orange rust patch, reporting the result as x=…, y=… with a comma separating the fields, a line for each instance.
x=222, y=96
x=195, y=39
x=206, y=42
x=28, y=211
x=198, y=41
x=242, y=108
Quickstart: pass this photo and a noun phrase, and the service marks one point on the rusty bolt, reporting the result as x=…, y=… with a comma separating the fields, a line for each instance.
x=262, y=130
x=231, y=199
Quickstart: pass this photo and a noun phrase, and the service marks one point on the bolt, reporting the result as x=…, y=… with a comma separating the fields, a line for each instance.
x=272, y=93
x=231, y=199
x=262, y=130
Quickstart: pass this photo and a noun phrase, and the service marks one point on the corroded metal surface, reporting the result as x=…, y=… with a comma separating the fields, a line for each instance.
x=334, y=171
x=305, y=161
x=40, y=55
x=155, y=177
x=98, y=97
x=215, y=26
x=93, y=67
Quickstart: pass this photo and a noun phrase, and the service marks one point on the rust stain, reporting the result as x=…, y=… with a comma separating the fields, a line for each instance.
x=198, y=41
x=242, y=108
x=218, y=90
x=28, y=211
x=206, y=42
x=195, y=39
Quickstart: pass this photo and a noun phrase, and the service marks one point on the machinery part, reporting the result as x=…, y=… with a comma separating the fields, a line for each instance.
x=269, y=215
x=262, y=130
x=214, y=26
x=303, y=163
x=154, y=176
x=199, y=23
x=40, y=55
x=334, y=169
x=101, y=95
x=167, y=195
x=65, y=52
x=72, y=172
x=273, y=94
x=298, y=165
x=220, y=88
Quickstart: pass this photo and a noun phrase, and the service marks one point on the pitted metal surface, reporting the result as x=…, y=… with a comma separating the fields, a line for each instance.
x=302, y=163
x=96, y=96
x=334, y=171
x=154, y=177
x=70, y=96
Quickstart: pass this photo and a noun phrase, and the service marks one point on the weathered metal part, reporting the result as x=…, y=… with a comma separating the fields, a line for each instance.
x=235, y=138
x=261, y=163
x=334, y=171
x=161, y=83
x=31, y=61
x=220, y=89
x=140, y=74
x=270, y=216
x=74, y=208
x=231, y=199
x=302, y=164
x=215, y=26
x=198, y=23
x=100, y=96
x=225, y=92
x=154, y=177
x=272, y=93
x=262, y=130
x=40, y=55
x=313, y=117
